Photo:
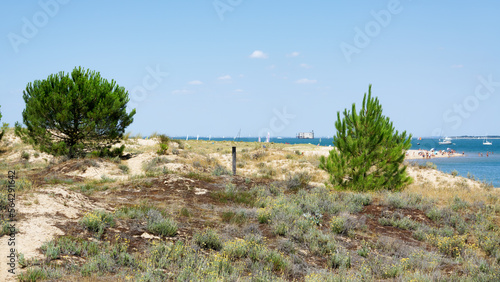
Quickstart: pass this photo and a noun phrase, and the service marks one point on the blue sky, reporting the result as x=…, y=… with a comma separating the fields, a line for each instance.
x=215, y=67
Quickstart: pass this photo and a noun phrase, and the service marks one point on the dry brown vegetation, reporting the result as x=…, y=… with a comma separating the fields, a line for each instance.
x=184, y=216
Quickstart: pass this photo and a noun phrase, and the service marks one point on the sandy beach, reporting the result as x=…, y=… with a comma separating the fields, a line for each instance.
x=425, y=154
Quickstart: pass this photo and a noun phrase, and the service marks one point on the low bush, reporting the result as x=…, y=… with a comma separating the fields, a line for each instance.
x=97, y=221
x=208, y=239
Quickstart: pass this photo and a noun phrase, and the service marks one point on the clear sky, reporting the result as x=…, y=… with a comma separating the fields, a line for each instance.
x=215, y=67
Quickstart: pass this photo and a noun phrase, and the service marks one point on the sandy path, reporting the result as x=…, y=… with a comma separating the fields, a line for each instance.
x=37, y=220
x=135, y=164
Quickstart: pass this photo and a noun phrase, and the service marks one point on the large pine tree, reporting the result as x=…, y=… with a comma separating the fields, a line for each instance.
x=369, y=152
x=74, y=114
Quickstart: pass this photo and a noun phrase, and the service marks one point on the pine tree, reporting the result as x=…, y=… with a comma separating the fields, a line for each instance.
x=369, y=152
x=74, y=114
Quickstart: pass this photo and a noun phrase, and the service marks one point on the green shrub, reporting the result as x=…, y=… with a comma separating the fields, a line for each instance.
x=278, y=262
x=220, y=170
x=297, y=181
x=51, y=250
x=90, y=188
x=185, y=212
x=208, y=239
x=402, y=223
x=25, y=155
x=165, y=227
x=124, y=168
x=163, y=149
x=237, y=248
x=97, y=221
x=98, y=264
x=452, y=246
x=263, y=215
x=337, y=224
x=159, y=225
x=339, y=260
x=33, y=274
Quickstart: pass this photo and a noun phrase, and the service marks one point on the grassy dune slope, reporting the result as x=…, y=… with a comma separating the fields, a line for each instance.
x=183, y=216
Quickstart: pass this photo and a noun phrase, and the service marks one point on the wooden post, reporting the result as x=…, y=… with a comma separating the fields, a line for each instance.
x=234, y=160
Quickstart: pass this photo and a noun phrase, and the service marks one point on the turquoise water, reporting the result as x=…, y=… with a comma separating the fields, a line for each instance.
x=485, y=168
x=482, y=168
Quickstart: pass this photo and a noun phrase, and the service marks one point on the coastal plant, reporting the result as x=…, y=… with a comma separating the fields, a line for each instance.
x=208, y=239
x=74, y=114
x=97, y=221
x=220, y=170
x=35, y=274
x=402, y=223
x=369, y=152
x=164, y=140
x=163, y=227
x=298, y=181
x=451, y=246
x=339, y=259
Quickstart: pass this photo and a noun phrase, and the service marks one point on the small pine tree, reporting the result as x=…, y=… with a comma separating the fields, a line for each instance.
x=74, y=114
x=369, y=152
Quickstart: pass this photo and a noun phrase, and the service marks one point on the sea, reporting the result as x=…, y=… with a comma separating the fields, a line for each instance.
x=479, y=161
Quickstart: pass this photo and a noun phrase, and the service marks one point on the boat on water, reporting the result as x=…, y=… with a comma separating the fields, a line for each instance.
x=486, y=142
x=445, y=141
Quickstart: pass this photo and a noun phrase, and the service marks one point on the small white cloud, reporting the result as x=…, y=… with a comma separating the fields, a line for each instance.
x=457, y=66
x=181, y=91
x=271, y=67
x=238, y=90
x=195, y=82
x=306, y=81
x=293, y=54
x=306, y=66
x=257, y=54
x=224, y=77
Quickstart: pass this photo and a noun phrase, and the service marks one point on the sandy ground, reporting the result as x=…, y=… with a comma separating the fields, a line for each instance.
x=434, y=178
x=39, y=215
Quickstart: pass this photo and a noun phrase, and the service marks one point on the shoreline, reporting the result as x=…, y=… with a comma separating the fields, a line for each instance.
x=426, y=154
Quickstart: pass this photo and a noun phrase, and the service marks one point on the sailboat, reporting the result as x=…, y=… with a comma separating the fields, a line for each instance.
x=268, y=137
x=187, y=137
x=445, y=141
x=209, y=137
x=486, y=142
x=259, y=139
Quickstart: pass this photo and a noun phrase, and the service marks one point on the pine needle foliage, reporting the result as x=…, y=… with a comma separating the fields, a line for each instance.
x=369, y=152
x=74, y=114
